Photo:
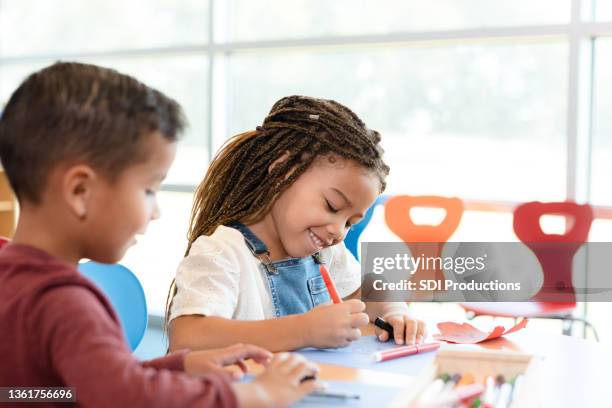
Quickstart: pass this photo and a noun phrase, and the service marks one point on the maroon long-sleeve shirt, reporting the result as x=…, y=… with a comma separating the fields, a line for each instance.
x=58, y=329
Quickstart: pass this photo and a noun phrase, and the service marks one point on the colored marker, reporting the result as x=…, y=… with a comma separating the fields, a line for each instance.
x=516, y=386
x=490, y=394
x=466, y=379
x=503, y=399
x=405, y=351
x=383, y=324
x=333, y=293
x=452, y=381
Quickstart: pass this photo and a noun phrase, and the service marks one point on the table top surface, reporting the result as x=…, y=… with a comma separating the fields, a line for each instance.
x=571, y=371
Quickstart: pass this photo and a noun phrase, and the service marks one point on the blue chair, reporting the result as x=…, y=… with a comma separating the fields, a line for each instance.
x=126, y=295
x=352, y=237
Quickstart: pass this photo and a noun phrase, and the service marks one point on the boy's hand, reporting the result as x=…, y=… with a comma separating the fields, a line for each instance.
x=213, y=360
x=405, y=329
x=334, y=325
x=282, y=383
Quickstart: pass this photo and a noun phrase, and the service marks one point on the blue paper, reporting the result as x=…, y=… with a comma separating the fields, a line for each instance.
x=359, y=353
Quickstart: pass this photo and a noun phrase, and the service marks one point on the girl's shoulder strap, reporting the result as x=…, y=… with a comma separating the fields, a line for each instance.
x=255, y=244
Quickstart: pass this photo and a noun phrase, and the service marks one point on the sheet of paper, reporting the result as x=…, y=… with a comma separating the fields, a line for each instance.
x=465, y=333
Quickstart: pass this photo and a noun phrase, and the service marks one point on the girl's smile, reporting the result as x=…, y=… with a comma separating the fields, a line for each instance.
x=318, y=242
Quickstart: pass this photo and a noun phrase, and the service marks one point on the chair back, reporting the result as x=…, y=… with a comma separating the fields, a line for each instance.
x=126, y=295
x=555, y=252
x=351, y=240
x=427, y=240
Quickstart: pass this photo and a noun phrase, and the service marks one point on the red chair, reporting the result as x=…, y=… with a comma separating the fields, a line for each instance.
x=4, y=241
x=556, y=298
x=423, y=239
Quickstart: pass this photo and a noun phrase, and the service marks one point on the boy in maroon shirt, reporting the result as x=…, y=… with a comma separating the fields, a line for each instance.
x=85, y=150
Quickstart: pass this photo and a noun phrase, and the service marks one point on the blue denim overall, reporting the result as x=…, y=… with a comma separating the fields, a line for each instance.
x=296, y=284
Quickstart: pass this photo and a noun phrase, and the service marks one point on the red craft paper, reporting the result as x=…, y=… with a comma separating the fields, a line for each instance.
x=466, y=333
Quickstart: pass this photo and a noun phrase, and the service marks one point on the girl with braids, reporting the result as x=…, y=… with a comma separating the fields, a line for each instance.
x=275, y=203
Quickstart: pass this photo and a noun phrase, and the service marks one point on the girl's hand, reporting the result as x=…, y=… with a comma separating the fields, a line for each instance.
x=213, y=360
x=405, y=329
x=336, y=325
x=286, y=380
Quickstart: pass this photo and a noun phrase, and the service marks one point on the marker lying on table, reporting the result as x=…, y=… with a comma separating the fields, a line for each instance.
x=333, y=293
x=331, y=395
x=405, y=351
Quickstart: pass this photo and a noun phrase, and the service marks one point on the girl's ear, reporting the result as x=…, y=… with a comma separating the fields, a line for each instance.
x=278, y=161
x=78, y=186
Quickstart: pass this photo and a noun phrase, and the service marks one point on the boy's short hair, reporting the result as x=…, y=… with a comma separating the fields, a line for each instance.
x=71, y=112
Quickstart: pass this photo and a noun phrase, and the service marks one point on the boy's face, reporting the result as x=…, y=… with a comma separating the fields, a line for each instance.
x=319, y=207
x=122, y=209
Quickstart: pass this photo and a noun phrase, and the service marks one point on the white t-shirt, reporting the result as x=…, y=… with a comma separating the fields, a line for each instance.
x=221, y=277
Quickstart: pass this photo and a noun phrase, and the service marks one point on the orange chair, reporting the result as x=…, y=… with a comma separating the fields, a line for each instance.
x=423, y=239
x=556, y=298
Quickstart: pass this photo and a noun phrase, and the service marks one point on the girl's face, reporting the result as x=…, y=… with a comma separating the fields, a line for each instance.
x=317, y=210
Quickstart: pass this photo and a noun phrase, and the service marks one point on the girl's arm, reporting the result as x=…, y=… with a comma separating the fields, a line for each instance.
x=324, y=326
x=203, y=332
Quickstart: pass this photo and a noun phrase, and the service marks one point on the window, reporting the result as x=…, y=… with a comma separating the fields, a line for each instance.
x=72, y=27
x=445, y=113
x=601, y=149
x=477, y=99
x=161, y=72
x=249, y=20
x=603, y=10
x=155, y=258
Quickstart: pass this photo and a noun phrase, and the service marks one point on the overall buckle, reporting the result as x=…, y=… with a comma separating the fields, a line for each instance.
x=267, y=262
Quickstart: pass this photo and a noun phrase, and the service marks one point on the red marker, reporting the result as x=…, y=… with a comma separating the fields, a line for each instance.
x=405, y=351
x=333, y=293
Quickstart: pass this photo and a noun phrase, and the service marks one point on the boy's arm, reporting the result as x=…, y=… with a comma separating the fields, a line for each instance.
x=86, y=348
x=172, y=361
